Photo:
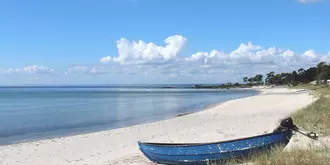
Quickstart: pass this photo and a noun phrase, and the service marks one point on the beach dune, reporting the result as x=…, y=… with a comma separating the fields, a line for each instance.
x=229, y=120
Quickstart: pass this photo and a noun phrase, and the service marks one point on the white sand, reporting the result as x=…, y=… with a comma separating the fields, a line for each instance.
x=233, y=119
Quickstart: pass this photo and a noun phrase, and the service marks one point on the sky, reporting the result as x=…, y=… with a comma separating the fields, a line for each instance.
x=158, y=41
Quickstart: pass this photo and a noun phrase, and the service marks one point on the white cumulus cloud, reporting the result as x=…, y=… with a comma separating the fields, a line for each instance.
x=248, y=58
x=208, y=57
x=33, y=69
x=106, y=59
x=254, y=55
x=139, y=52
x=245, y=48
x=310, y=55
x=326, y=58
x=37, y=69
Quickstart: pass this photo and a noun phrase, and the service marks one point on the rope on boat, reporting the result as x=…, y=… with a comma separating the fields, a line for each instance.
x=287, y=123
x=311, y=135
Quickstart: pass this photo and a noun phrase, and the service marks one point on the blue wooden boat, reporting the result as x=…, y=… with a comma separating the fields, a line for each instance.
x=202, y=153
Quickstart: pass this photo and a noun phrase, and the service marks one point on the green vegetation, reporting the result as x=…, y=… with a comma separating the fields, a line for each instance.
x=294, y=157
x=316, y=116
x=320, y=74
x=277, y=157
x=256, y=80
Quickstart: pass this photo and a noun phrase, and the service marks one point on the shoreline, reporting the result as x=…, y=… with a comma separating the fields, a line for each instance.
x=231, y=119
x=62, y=133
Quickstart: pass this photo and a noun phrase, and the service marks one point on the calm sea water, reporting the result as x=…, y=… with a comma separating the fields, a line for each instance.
x=30, y=113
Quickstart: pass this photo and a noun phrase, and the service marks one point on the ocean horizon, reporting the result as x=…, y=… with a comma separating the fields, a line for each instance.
x=41, y=112
x=178, y=85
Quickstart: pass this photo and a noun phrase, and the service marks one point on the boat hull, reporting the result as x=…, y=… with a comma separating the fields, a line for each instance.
x=201, y=153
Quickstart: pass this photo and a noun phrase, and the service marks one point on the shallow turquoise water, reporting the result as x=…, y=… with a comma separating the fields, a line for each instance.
x=31, y=113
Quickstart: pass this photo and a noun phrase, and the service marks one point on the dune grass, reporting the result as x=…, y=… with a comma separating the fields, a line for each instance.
x=294, y=157
x=316, y=118
x=278, y=157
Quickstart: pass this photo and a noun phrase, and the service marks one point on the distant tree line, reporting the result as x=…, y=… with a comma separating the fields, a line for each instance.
x=258, y=79
x=320, y=73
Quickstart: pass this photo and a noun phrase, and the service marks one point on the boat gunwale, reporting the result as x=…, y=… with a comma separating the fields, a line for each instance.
x=210, y=143
x=216, y=153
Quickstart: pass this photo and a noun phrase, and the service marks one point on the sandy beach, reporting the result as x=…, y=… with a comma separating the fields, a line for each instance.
x=232, y=119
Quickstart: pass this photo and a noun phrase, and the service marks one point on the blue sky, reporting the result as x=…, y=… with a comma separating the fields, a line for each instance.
x=209, y=41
